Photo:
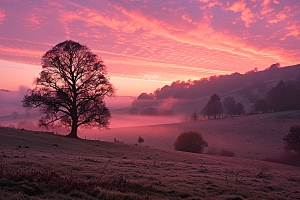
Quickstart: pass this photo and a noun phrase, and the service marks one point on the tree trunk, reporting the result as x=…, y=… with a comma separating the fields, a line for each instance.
x=73, y=133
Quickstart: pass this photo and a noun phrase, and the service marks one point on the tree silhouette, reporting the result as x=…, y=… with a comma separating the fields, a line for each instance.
x=204, y=112
x=15, y=114
x=140, y=140
x=71, y=88
x=261, y=105
x=229, y=105
x=292, y=139
x=285, y=96
x=214, y=106
x=239, y=110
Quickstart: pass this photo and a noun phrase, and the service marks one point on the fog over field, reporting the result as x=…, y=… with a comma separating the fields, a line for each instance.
x=10, y=101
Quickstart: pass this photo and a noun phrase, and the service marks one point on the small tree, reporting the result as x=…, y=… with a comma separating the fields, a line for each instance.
x=15, y=114
x=292, y=140
x=229, y=105
x=204, y=112
x=190, y=117
x=239, y=110
x=194, y=116
x=191, y=141
x=140, y=140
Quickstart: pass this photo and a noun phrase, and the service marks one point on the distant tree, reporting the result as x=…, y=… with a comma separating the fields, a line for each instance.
x=229, y=105
x=292, y=140
x=285, y=96
x=133, y=111
x=191, y=141
x=194, y=116
x=15, y=114
x=273, y=66
x=275, y=96
x=140, y=140
x=239, y=110
x=261, y=105
x=252, y=71
x=214, y=106
x=146, y=96
x=71, y=88
x=185, y=118
x=204, y=112
x=190, y=117
x=149, y=111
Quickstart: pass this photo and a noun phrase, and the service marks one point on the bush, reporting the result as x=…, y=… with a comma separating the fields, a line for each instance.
x=140, y=140
x=292, y=140
x=226, y=152
x=191, y=141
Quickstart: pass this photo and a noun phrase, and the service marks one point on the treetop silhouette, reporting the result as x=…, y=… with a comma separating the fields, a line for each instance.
x=71, y=88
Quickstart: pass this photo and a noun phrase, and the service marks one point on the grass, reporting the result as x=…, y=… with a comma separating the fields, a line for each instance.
x=45, y=182
x=81, y=169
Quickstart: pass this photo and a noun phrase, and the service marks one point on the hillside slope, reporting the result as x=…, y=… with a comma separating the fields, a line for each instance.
x=254, y=136
x=37, y=164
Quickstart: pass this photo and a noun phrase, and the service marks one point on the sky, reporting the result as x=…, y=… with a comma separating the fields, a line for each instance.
x=146, y=44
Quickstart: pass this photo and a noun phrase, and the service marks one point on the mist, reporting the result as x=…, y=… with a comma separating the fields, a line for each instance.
x=10, y=101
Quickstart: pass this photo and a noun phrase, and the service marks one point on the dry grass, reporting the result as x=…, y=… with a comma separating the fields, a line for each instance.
x=56, y=167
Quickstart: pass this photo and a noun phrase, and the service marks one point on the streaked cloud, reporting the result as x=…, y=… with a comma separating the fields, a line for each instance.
x=157, y=40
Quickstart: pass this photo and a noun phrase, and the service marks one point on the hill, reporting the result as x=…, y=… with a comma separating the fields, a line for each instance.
x=188, y=96
x=44, y=165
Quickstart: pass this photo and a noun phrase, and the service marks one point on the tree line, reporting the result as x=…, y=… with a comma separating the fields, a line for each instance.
x=214, y=109
x=223, y=84
x=284, y=96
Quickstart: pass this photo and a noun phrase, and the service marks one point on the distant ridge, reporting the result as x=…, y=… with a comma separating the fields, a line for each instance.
x=4, y=90
x=224, y=84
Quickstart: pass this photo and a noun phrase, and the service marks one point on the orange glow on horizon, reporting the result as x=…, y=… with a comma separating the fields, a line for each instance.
x=181, y=40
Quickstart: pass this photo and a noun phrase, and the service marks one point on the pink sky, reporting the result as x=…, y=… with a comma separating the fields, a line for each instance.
x=147, y=44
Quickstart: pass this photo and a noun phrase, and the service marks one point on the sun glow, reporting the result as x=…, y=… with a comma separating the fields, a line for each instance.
x=181, y=40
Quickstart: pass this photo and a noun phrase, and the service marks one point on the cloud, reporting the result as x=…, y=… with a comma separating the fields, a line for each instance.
x=265, y=3
x=246, y=16
x=238, y=6
x=150, y=39
x=2, y=16
x=11, y=101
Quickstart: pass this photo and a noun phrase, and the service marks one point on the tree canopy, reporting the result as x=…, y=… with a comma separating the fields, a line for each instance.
x=229, y=105
x=292, y=140
x=284, y=96
x=214, y=106
x=71, y=88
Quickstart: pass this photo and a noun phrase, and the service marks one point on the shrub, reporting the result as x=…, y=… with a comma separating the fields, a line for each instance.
x=140, y=140
x=226, y=152
x=292, y=140
x=191, y=141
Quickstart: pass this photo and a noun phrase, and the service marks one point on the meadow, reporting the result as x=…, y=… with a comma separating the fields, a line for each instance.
x=42, y=165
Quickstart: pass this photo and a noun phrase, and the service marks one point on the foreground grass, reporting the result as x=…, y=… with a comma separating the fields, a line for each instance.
x=36, y=165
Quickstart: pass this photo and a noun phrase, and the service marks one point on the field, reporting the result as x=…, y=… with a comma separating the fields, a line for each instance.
x=253, y=136
x=44, y=165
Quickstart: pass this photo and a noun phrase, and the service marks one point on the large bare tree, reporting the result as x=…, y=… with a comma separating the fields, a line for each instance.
x=71, y=88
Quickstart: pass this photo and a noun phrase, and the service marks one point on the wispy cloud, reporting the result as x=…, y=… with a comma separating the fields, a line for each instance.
x=158, y=40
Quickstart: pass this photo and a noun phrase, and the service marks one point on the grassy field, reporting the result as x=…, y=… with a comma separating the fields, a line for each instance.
x=253, y=136
x=39, y=165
